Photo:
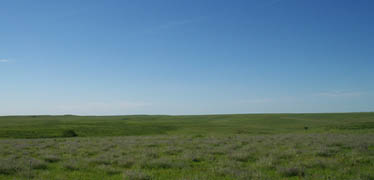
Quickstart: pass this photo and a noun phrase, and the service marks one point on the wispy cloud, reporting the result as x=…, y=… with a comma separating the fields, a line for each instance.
x=4, y=60
x=122, y=107
x=258, y=101
x=340, y=94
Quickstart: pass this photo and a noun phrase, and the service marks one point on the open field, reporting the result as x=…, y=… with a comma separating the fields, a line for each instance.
x=252, y=124
x=247, y=146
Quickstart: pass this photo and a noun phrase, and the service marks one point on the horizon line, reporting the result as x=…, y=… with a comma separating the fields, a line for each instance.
x=208, y=114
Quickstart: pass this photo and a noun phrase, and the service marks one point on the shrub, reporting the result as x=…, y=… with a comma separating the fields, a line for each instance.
x=69, y=133
x=292, y=171
x=51, y=158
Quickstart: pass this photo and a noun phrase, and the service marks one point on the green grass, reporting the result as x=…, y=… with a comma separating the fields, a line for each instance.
x=99, y=126
x=244, y=146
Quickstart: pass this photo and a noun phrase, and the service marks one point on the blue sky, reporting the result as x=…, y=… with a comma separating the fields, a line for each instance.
x=186, y=56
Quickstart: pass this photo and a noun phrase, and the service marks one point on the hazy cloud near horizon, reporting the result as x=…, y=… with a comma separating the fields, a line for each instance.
x=4, y=60
x=77, y=108
x=340, y=94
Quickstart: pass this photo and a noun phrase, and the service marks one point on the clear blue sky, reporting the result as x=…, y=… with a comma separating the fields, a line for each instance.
x=186, y=57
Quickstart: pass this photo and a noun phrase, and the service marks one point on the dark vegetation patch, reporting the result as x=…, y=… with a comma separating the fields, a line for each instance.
x=51, y=158
x=8, y=167
x=357, y=126
x=69, y=133
x=292, y=171
x=37, y=164
x=367, y=176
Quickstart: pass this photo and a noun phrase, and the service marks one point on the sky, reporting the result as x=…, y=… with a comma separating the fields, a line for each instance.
x=118, y=57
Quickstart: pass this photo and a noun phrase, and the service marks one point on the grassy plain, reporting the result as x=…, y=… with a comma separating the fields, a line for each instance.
x=243, y=146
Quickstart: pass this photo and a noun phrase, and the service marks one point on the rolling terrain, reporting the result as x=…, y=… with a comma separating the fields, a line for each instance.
x=242, y=146
x=252, y=124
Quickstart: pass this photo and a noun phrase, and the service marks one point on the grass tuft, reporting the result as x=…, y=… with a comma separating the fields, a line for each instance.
x=71, y=165
x=38, y=164
x=8, y=167
x=136, y=175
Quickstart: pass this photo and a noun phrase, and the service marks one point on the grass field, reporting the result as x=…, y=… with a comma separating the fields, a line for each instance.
x=244, y=146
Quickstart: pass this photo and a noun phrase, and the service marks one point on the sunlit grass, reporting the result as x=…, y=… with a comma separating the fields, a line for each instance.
x=191, y=147
x=316, y=156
